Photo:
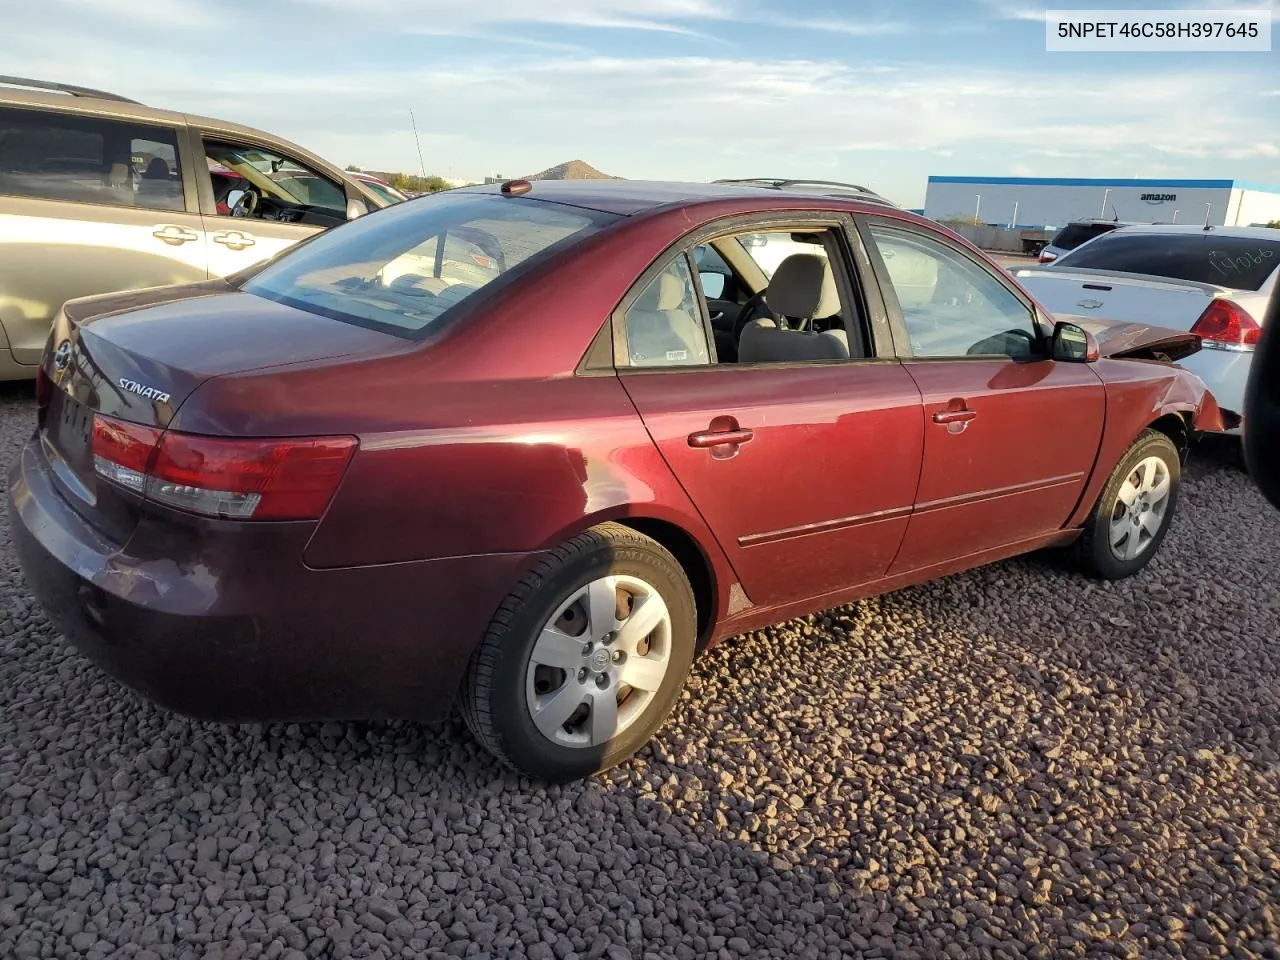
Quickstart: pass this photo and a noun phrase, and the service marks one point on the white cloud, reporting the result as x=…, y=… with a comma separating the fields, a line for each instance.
x=471, y=18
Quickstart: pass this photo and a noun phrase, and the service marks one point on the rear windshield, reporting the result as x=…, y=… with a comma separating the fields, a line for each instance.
x=1074, y=234
x=1241, y=263
x=403, y=269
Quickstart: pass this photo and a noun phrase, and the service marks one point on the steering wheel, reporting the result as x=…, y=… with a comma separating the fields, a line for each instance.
x=247, y=205
x=749, y=310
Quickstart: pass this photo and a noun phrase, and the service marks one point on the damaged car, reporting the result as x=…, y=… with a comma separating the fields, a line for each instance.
x=538, y=475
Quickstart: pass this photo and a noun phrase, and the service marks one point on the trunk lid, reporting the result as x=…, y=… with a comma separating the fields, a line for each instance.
x=1174, y=304
x=137, y=356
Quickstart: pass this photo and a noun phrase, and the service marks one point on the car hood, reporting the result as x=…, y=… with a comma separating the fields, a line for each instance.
x=1123, y=340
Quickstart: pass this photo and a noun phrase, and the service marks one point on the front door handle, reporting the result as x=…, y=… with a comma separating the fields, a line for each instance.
x=720, y=438
x=173, y=234
x=234, y=239
x=954, y=416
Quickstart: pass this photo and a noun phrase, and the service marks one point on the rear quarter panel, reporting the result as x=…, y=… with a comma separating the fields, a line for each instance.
x=504, y=467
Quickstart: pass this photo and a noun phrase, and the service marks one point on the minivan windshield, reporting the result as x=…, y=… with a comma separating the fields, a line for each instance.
x=403, y=269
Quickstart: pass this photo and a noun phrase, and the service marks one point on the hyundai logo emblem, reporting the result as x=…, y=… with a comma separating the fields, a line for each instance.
x=62, y=356
x=1090, y=304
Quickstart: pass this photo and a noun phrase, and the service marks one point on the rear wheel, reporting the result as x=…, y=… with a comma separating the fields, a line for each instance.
x=1134, y=512
x=585, y=658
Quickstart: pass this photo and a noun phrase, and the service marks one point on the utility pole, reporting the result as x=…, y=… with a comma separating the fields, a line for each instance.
x=421, y=165
x=1105, y=195
x=978, y=207
x=1014, y=222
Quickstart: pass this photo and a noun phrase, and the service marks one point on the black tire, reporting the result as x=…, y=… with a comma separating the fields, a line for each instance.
x=1094, y=551
x=493, y=697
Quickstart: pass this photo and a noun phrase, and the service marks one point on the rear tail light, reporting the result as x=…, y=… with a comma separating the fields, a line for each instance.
x=44, y=387
x=277, y=479
x=1048, y=257
x=1227, y=326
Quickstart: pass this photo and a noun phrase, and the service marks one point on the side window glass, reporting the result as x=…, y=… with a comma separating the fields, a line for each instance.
x=55, y=156
x=950, y=305
x=159, y=178
x=663, y=326
x=253, y=182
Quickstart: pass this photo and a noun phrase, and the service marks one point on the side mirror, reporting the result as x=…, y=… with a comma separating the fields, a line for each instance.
x=712, y=284
x=1074, y=344
x=356, y=207
x=233, y=197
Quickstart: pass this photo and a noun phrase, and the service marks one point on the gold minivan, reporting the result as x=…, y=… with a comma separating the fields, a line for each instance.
x=99, y=193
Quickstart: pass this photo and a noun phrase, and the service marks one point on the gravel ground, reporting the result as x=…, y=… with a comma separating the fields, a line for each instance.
x=1010, y=762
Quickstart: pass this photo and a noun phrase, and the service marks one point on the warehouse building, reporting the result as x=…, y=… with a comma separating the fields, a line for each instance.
x=1045, y=202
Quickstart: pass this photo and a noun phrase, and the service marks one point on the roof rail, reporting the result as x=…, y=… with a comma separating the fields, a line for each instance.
x=64, y=88
x=782, y=183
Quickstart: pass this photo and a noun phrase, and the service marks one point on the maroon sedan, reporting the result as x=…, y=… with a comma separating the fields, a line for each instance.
x=535, y=447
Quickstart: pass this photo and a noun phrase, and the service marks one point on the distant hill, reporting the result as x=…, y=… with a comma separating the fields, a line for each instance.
x=572, y=170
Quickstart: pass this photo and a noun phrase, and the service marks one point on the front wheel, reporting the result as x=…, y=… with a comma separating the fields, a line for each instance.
x=1134, y=512
x=585, y=658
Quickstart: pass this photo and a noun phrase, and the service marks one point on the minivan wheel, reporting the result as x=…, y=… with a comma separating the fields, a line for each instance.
x=585, y=658
x=1133, y=513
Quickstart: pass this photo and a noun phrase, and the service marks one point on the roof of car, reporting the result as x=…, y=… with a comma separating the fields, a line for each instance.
x=1247, y=233
x=628, y=197
x=18, y=91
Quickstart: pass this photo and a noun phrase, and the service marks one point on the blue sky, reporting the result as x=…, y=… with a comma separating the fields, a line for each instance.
x=881, y=93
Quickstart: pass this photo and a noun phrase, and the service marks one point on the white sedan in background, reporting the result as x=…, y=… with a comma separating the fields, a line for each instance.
x=1214, y=281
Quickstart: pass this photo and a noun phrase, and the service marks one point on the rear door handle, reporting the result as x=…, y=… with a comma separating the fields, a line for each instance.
x=719, y=438
x=234, y=239
x=954, y=416
x=173, y=234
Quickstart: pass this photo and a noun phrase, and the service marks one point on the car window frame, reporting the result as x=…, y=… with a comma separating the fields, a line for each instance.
x=197, y=135
x=190, y=198
x=852, y=275
x=889, y=294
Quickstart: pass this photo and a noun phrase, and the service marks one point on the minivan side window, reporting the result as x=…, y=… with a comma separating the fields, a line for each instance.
x=55, y=156
x=277, y=183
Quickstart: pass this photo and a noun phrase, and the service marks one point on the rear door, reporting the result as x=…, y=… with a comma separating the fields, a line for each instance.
x=88, y=205
x=291, y=200
x=804, y=470
x=1010, y=436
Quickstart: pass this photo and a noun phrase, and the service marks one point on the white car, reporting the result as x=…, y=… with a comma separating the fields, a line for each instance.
x=1216, y=282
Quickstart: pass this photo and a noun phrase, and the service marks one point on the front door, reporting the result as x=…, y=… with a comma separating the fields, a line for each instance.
x=1010, y=436
x=804, y=470
x=261, y=202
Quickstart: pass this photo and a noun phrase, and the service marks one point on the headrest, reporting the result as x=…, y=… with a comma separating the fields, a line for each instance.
x=763, y=341
x=670, y=292
x=803, y=286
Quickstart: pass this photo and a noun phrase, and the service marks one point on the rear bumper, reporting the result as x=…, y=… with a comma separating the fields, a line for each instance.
x=1225, y=374
x=232, y=626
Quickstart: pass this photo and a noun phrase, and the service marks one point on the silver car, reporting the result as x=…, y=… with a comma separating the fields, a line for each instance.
x=1217, y=282
x=99, y=193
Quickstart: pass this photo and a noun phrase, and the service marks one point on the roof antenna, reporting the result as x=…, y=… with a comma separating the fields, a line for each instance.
x=1207, y=208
